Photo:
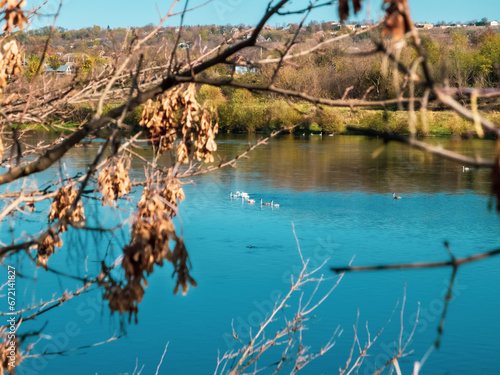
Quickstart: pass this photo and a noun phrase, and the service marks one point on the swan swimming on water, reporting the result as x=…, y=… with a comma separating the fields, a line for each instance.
x=264, y=203
x=395, y=196
x=465, y=169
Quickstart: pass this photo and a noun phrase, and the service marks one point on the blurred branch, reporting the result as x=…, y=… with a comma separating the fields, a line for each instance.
x=454, y=262
x=426, y=147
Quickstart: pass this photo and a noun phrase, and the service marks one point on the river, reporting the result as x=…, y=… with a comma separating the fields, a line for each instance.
x=337, y=192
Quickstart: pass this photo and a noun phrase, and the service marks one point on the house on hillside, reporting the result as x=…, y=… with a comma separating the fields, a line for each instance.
x=63, y=70
x=424, y=25
x=241, y=67
x=493, y=23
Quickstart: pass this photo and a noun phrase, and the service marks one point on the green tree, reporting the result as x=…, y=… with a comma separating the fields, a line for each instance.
x=55, y=62
x=32, y=67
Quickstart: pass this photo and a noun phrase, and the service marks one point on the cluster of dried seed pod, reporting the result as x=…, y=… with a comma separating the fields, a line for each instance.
x=47, y=248
x=160, y=119
x=62, y=203
x=124, y=298
x=165, y=199
x=204, y=144
x=193, y=129
x=10, y=62
x=152, y=233
x=179, y=259
x=59, y=210
x=13, y=14
x=114, y=181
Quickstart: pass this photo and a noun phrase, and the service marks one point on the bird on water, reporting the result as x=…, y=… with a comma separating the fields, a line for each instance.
x=395, y=196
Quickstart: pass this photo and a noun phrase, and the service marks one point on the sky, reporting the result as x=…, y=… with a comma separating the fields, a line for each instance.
x=76, y=14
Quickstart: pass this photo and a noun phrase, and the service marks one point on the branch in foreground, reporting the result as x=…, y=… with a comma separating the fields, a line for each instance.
x=477, y=162
x=454, y=262
x=290, y=336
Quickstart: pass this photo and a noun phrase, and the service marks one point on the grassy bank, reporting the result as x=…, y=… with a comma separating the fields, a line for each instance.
x=265, y=116
x=247, y=114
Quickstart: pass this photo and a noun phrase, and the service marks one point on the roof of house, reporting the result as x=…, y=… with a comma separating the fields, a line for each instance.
x=62, y=68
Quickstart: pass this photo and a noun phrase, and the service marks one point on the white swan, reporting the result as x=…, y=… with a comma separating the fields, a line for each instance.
x=465, y=169
x=274, y=204
x=264, y=203
x=396, y=196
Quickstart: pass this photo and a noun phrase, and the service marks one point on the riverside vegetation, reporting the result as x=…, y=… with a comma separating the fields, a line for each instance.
x=461, y=57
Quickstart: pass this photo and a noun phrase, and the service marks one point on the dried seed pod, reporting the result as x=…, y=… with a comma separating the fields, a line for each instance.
x=14, y=16
x=10, y=62
x=125, y=298
x=205, y=141
x=114, y=181
x=160, y=121
x=397, y=21
x=180, y=259
x=62, y=203
x=172, y=193
x=152, y=231
x=195, y=129
x=344, y=8
x=47, y=248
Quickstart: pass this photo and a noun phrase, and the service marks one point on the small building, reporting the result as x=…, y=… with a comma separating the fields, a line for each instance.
x=61, y=71
x=493, y=23
x=245, y=70
x=424, y=25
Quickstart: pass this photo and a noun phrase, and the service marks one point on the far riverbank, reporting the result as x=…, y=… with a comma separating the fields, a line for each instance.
x=266, y=116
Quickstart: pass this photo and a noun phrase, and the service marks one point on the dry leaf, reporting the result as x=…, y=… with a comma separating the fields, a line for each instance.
x=397, y=21
x=344, y=8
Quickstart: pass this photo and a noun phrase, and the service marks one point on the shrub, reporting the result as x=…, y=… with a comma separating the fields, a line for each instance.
x=279, y=113
x=210, y=96
x=329, y=120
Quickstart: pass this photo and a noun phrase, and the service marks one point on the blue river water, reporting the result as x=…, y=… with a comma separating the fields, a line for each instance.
x=336, y=193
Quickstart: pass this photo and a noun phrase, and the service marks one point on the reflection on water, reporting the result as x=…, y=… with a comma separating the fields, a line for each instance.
x=344, y=163
x=339, y=198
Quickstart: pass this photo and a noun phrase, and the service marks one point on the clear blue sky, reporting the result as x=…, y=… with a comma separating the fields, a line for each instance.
x=77, y=14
